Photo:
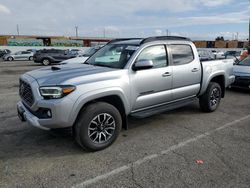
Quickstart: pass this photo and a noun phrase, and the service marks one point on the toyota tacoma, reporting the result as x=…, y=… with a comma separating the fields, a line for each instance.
x=127, y=77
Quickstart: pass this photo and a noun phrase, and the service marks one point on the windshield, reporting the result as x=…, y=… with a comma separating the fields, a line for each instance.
x=245, y=62
x=90, y=52
x=113, y=55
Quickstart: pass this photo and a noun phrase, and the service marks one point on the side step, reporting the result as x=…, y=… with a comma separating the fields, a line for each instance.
x=163, y=108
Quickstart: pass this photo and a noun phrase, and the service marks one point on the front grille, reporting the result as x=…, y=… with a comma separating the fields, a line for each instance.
x=25, y=93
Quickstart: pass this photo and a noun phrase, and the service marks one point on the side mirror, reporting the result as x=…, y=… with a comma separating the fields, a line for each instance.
x=143, y=64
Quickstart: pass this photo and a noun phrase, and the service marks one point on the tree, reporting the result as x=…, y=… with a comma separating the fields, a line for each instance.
x=219, y=38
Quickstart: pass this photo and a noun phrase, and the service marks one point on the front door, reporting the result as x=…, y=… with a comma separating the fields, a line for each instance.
x=152, y=86
x=18, y=56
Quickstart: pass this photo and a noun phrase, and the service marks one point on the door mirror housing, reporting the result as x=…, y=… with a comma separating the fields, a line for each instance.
x=143, y=64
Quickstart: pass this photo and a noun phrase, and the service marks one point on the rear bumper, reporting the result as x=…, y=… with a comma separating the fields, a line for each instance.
x=241, y=82
x=231, y=79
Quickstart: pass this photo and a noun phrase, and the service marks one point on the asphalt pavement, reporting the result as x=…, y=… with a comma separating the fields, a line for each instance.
x=181, y=148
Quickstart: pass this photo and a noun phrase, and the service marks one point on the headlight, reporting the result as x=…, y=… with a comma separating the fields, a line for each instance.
x=56, y=92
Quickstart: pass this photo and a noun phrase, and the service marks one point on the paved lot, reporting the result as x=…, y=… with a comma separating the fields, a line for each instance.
x=161, y=151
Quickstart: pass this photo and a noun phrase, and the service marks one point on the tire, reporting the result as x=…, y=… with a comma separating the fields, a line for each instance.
x=46, y=62
x=95, y=123
x=31, y=58
x=10, y=59
x=210, y=100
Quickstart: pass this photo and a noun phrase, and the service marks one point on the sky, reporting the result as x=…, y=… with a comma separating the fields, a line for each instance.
x=197, y=19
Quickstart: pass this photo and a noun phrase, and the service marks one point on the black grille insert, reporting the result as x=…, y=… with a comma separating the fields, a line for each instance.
x=25, y=93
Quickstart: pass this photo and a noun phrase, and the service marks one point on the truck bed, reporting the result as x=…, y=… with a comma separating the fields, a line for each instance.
x=216, y=67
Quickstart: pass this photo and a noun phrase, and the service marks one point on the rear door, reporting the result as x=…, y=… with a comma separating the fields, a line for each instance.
x=186, y=71
x=153, y=86
x=58, y=55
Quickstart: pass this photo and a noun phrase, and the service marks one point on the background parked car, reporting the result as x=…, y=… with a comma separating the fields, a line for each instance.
x=232, y=54
x=242, y=74
x=4, y=52
x=218, y=55
x=22, y=55
x=205, y=55
x=31, y=50
x=48, y=56
x=76, y=52
x=82, y=58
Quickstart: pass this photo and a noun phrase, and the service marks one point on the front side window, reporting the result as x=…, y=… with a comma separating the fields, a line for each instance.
x=113, y=56
x=181, y=54
x=157, y=54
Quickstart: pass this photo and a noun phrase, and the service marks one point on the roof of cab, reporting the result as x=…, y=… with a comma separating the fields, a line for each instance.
x=140, y=41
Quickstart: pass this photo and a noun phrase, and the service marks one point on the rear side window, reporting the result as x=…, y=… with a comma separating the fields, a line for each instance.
x=181, y=54
x=157, y=54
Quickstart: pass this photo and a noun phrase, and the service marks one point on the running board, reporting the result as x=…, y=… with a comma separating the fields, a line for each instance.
x=163, y=108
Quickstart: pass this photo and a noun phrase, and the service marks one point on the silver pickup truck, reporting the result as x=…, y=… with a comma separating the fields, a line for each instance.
x=127, y=77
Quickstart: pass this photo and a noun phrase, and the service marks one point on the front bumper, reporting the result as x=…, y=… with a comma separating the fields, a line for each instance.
x=25, y=115
x=5, y=58
x=60, y=115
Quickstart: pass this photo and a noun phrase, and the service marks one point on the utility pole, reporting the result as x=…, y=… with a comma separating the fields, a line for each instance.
x=17, y=29
x=76, y=27
x=167, y=32
x=104, y=32
x=249, y=33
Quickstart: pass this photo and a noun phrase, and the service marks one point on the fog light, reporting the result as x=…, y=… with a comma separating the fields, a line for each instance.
x=49, y=113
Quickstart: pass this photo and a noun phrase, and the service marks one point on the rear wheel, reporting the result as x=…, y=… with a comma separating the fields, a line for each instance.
x=46, y=62
x=210, y=100
x=97, y=126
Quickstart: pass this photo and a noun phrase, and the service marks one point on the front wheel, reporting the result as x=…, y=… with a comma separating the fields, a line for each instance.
x=10, y=59
x=31, y=58
x=210, y=100
x=97, y=126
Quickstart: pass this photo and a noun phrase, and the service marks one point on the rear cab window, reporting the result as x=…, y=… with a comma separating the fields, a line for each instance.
x=181, y=54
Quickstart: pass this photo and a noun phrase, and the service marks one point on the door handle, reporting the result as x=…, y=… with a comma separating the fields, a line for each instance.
x=166, y=74
x=195, y=70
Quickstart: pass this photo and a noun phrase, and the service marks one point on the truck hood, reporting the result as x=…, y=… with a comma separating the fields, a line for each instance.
x=240, y=70
x=75, y=60
x=62, y=74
